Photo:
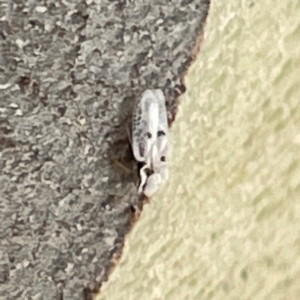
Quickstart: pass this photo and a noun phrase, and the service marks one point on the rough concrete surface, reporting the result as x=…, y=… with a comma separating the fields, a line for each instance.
x=70, y=72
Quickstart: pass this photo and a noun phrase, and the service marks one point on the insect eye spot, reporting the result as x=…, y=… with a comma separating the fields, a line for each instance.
x=163, y=158
x=149, y=135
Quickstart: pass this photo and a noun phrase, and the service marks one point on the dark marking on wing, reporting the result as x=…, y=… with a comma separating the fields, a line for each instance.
x=161, y=133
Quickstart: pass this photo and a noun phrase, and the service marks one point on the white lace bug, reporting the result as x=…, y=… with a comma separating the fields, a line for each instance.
x=150, y=140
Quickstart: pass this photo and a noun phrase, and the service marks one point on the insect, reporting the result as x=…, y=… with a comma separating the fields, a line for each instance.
x=150, y=140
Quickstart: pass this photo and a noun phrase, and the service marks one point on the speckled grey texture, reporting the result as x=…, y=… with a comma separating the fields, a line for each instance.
x=69, y=74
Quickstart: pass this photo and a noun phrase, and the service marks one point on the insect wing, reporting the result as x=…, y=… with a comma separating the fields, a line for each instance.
x=152, y=120
x=163, y=117
x=162, y=138
x=139, y=125
x=149, y=128
x=150, y=112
